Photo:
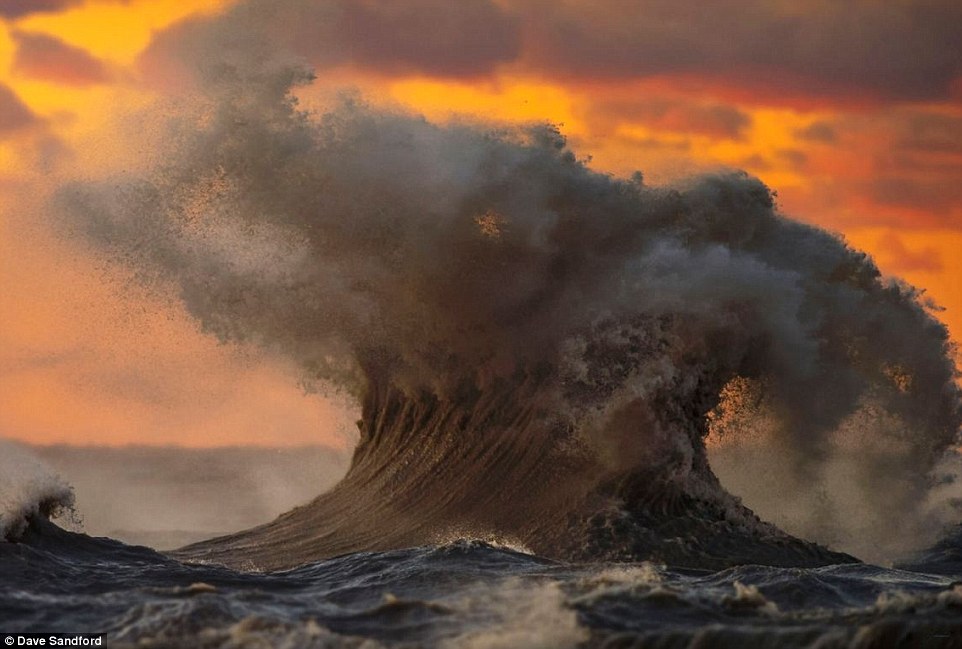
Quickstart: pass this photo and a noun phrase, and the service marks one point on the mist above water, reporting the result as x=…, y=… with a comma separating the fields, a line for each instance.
x=166, y=497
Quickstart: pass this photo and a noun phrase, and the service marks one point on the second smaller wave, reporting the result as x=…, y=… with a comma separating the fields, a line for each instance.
x=29, y=489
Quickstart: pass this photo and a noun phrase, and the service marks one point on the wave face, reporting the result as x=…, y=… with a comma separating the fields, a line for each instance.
x=537, y=348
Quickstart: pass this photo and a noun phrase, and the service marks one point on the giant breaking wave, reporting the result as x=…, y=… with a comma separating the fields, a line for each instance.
x=539, y=351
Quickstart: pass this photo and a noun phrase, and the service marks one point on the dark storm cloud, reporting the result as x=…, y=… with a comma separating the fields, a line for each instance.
x=20, y=8
x=926, y=259
x=654, y=143
x=932, y=194
x=429, y=37
x=818, y=132
x=906, y=49
x=794, y=157
x=907, y=158
x=14, y=114
x=931, y=132
x=756, y=162
x=918, y=163
x=715, y=120
x=45, y=57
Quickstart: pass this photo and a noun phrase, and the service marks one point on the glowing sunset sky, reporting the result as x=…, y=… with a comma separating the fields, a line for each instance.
x=850, y=109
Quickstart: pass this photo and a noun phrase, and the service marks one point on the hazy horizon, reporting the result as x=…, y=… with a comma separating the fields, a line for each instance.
x=166, y=497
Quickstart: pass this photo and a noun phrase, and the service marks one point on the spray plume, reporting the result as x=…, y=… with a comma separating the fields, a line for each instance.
x=538, y=350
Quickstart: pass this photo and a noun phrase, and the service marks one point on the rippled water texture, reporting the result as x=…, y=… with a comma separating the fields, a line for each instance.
x=463, y=594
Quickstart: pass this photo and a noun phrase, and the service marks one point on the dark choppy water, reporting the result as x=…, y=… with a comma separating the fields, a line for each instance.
x=467, y=594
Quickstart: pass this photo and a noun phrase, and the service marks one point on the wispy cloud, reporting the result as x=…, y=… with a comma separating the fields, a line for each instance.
x=49, y=58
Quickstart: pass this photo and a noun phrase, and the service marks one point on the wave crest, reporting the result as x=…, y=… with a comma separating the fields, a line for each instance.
x=29, y=490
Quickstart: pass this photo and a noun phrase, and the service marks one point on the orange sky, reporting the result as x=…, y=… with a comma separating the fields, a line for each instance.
x=854, y=133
